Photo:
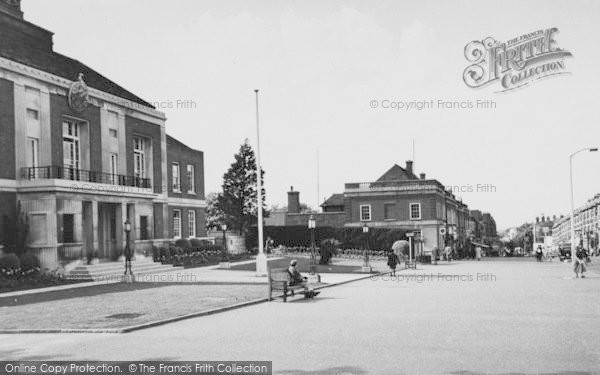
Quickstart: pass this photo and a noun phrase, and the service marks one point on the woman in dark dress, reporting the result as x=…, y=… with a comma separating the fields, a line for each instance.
x=393, y=262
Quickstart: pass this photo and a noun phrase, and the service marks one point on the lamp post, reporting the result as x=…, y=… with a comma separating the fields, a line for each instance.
x=261, y=258
x=366, y=266
x=127, y=277
x=590, y=149
x=312, y=224
x=410, y=236
x=224, y=230
x=224, y=263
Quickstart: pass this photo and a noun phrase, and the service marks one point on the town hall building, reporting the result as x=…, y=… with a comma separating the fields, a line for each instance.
x=81, y=156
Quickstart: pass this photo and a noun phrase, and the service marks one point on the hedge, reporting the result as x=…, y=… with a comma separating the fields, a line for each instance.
x=350, y=238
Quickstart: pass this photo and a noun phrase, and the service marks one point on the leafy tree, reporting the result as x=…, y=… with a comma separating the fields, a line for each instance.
x=214, y=216
x=236, y=205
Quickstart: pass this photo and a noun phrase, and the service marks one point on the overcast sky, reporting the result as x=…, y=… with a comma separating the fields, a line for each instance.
x=319, y=64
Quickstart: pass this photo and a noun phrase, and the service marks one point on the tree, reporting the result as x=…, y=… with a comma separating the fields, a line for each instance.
x=236, y=205
x=214, y=216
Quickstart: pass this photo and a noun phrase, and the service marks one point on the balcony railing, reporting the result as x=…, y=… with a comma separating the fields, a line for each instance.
x=65, y=173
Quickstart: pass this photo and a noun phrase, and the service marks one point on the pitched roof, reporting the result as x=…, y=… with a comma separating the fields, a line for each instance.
x=397, y=173
x=334, y=200
x=31, y=45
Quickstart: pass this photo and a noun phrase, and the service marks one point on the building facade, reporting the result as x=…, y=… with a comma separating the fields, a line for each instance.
x=399, y=200
x=81, y=156
x=586, y=223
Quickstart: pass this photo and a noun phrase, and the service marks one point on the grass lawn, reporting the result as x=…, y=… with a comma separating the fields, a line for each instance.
x=303, y=266
x=120, y=305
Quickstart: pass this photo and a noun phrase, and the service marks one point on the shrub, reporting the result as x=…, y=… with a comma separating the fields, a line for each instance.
x=10, y=264
x=183, y=243
x=29, y=262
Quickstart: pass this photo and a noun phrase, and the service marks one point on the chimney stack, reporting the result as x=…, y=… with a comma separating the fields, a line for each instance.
x=422, y=175
x=293, y=201
x=12, y=7
x=409, y=167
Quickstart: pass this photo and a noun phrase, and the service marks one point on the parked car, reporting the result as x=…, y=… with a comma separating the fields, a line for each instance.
x=564, y=253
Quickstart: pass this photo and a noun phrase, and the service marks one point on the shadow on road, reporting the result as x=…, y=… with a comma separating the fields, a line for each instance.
x=464, y=372
x=341, y=370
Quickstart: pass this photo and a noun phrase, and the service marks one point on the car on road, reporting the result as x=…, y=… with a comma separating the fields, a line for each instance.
x=564, y=253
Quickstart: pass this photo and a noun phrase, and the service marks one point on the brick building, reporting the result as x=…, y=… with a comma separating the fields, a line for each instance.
x=399, y=200
x=82, y=155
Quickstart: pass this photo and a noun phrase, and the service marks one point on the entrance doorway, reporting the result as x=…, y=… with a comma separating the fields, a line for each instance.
x=107, y=230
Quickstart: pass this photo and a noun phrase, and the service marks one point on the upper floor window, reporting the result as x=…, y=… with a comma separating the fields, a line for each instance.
x=365, y=212
x=415, y=211
x=114, y=167
x=71, y=150
x=32, y=152
x=139, y=158
x=190, y=179
x=176, y=177
x=388, y=211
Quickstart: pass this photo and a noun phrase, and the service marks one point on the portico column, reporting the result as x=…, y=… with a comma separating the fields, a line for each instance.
x=95, y=216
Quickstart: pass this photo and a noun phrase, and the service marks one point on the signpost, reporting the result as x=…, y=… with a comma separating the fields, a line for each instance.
x=410, y=236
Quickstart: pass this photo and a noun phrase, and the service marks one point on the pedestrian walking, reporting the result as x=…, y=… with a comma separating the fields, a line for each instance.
x=448, y=252
x=478, y=253
x=392, y=262
x=579, y=262
x=539, y=253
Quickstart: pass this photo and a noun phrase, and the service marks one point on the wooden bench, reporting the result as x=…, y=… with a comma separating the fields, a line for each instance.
x=410, y=264
x=279, y=280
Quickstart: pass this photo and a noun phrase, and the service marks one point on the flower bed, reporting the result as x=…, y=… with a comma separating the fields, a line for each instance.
x=24, y=273
x=194, y=257
x=338, y=253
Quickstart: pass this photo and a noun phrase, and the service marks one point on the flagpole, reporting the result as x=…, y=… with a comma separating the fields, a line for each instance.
x=261, y=259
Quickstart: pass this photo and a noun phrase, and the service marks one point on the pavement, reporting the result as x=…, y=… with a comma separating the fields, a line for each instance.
x=489, y=317
x=109, y=306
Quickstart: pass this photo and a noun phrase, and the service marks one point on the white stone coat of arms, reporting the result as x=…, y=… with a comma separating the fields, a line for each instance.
x=78, y=95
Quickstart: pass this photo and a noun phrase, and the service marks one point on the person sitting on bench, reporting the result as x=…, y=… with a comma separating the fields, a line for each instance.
x=298, y=279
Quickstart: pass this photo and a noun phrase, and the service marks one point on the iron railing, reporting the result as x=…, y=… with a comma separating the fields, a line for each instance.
x=66, y=173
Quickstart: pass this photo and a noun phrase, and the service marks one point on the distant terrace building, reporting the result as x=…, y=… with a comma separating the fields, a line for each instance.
x=83, y=155
x=587, y=226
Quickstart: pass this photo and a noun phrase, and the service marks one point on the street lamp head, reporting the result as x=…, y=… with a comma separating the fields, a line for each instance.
x=224, y=227
x=311, y=222
x=127, y=226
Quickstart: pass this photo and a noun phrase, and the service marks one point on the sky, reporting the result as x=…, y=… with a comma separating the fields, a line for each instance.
x=319, y=65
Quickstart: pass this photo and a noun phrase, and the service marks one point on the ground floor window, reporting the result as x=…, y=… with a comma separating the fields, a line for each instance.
x=68, y=228
x=38, y=230
x=144, y=228
x=191, y=223
x=177, y=223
